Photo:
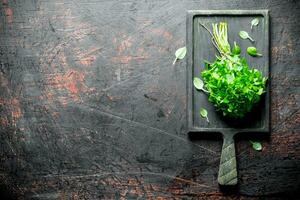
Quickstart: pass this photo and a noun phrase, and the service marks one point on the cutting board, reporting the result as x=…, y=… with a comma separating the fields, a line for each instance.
x=200, y=48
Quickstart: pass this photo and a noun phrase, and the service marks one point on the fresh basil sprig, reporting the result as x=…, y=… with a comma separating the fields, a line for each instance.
x=234, y=88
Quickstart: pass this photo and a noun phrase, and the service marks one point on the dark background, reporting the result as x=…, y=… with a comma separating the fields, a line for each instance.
x=92, y=108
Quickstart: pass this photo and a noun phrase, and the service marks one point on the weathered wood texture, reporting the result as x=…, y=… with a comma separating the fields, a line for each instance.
x=92, y=108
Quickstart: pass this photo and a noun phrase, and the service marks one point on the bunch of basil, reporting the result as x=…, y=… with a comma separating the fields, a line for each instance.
x=233, y=87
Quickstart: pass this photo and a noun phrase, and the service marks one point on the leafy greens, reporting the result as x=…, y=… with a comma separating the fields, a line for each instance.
x=233, y=87
x=252, y=51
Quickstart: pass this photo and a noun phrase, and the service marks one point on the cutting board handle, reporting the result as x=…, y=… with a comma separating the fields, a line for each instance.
x=227, y=169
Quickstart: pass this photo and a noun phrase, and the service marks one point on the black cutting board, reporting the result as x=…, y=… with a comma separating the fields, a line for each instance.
x=200, y=48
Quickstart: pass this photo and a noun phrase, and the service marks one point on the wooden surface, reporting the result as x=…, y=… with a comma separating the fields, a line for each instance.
x=92, y=108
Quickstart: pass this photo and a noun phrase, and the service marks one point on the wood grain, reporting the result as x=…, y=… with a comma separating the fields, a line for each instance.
x=227, y=171
x=92, y=108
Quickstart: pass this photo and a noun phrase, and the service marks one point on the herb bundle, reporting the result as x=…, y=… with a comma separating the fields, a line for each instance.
x=233, y=87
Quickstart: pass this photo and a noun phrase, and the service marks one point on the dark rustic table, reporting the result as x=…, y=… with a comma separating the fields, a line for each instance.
x=92, y=107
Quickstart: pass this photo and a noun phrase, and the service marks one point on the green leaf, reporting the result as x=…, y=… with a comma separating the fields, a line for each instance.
x=198, y=83
x=180, y=54
x=229, y=78
x=252, y=51
x=236, y=49
x=216, y=75
x=260, y=91
x=256, y=145
x=254, y=22
x=203, y=113
x=244, y=35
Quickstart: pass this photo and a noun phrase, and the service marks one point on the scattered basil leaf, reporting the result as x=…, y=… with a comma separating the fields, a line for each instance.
x=203, y=113
x=256, y=145
x=236, y=50
x=198, y=83
x=252, y=51
x=244, y=35
x=179, y=54
x=254, y=22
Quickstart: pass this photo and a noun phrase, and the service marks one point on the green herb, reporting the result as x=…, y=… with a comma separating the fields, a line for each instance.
x=198, y=83
x=252, y=51
x=256, y=145
x=236, y=49
x=244, y=35
x=203, y=113
x=234, y=88
x=254, y=22
x=179, y=54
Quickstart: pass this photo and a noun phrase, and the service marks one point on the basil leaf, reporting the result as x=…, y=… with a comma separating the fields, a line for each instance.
x=230, y=78
x=180, y=54
x=252, y=51
x=256, y=145
x=236, y=49
x=254, y=22
x=244, y=35
x=198, y=83
x=203, y=113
